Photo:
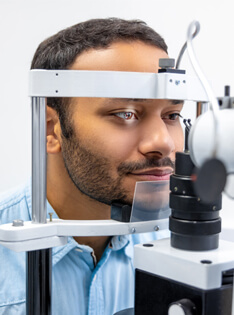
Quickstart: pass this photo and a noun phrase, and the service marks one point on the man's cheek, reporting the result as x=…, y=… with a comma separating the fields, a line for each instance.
x=179, y=140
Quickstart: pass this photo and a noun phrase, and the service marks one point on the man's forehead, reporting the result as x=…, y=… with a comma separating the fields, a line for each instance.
x=135, y=56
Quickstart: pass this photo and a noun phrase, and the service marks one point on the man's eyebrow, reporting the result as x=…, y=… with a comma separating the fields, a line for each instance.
x=177, y=102
x=125, y=100
x=109, y=101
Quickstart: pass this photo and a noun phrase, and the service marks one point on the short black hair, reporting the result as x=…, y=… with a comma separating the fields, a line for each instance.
x=60, y=50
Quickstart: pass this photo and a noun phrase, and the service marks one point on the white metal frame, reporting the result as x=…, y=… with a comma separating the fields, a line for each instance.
x=115, y=84
x=75, y=83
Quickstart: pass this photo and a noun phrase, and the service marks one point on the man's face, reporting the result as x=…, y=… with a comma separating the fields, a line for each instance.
x=117, y=142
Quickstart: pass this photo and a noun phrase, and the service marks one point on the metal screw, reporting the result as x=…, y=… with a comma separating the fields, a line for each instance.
x=177, y=82
x=133, y=230
x=175, y=188
x=198, y=199
x=184, y=192
x=214, y=208
x=50, y=214
x=18, y=223
x=156, y=228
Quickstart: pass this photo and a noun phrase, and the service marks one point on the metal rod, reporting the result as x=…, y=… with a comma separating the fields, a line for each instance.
x=39, y=262
x=39, y=282
x=38, y=160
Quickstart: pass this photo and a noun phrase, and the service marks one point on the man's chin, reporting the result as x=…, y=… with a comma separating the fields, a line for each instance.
x=120, y=196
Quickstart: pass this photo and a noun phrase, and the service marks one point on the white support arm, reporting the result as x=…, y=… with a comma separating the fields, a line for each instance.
x=32, y=236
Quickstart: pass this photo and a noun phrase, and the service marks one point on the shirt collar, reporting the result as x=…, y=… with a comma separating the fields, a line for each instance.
x=122, y=242
x=119, y=242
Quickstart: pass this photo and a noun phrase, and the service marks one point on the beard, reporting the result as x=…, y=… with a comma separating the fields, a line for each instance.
x=91, y=172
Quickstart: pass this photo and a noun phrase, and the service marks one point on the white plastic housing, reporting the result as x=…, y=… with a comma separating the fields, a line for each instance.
x=202, y=139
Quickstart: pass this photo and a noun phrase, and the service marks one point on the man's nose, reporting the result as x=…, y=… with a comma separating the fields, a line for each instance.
x=155, y=140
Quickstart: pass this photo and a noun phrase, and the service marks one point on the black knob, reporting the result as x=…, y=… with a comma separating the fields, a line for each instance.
x=182, y=307
x=166, y=63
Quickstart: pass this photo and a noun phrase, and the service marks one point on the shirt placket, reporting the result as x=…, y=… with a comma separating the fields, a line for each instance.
x=96, y=293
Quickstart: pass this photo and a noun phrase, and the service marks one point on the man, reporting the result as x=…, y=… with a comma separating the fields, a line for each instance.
x=97, y=150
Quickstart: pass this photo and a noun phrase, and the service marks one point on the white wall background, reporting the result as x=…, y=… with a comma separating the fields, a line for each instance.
x=25, y=23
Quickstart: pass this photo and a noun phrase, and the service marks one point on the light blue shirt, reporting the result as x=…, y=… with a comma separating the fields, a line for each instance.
x=79, y=287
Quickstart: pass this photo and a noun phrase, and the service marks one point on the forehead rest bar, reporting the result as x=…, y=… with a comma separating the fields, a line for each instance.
x=115, y=84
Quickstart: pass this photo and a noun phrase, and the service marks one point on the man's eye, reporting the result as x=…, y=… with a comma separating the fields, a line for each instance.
x=126, y=115
x=172, y=116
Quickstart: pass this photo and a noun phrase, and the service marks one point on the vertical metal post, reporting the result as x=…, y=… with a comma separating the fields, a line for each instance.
x=38, y=264
x=38, y=160
x=38, y=288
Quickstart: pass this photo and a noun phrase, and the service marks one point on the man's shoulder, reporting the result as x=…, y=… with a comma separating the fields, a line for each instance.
x=14, y=203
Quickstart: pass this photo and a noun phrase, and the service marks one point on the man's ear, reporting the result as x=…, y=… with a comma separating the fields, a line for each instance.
x=53, y=132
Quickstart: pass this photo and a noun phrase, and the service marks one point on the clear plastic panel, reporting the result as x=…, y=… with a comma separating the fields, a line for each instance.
x=151, y=201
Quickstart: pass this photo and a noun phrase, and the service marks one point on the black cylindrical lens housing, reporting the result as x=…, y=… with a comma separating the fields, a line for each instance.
x=194, y=225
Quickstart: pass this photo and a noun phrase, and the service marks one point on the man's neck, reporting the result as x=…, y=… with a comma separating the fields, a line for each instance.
x=98, y=244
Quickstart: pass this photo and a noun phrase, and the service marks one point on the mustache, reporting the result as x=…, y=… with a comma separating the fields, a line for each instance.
x=129, y=167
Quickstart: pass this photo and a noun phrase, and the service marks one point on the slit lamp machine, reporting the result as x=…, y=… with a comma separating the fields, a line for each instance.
x=190, y=273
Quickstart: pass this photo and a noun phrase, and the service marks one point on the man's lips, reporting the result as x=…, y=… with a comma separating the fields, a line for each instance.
x=153, y=174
